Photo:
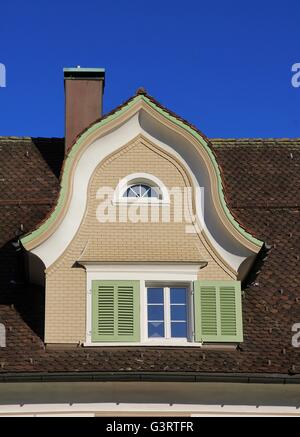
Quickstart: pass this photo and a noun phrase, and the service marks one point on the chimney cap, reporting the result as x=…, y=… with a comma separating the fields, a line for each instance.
x=85, y=73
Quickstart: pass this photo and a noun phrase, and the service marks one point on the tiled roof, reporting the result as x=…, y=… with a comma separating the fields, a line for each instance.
x=29, y=171
x=262, y=187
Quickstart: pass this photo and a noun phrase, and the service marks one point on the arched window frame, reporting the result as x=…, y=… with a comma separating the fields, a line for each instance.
x=141, y=178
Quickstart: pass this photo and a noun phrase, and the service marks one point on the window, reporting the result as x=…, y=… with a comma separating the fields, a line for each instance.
x=142, y=312
x=167, y=312
x=142, y=188
x=139, y=191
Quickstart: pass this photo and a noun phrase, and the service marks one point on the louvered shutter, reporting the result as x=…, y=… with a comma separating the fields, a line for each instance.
x=115, y=311
x=218, y=311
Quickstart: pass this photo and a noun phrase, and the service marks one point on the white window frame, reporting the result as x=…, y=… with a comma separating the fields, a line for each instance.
x=167, y=312
x=141, y=178
x=170, y=274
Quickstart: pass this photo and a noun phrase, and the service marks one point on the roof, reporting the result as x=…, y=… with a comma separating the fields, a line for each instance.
x=105, y=250
x=262, y=188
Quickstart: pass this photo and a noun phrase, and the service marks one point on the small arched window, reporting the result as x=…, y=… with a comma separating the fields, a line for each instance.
x=141, y=187
x=142, y=191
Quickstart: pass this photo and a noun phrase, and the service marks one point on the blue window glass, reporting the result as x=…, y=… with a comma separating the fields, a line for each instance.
x=178, y=301
x=178, y=312
x=178, y=295
x=155, y=295
x=155, y=312
x=178, y=329
x=156, y=329
x=156, y=326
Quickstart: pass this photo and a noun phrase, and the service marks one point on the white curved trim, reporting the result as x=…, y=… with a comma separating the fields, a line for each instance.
x=147, y=178
x=55, y=245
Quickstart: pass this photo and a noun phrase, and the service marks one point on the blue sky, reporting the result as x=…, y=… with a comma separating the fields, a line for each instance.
x=223, y=65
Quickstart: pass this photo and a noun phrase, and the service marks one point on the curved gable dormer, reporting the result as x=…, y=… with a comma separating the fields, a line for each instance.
x=119, y=274
x=142, y=115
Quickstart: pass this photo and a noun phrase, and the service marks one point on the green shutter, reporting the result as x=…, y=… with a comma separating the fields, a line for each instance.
x=115, y=311
x=218, y=311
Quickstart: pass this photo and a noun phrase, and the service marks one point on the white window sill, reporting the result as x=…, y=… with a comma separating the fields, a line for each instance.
x=146, y=343
x=203, y=346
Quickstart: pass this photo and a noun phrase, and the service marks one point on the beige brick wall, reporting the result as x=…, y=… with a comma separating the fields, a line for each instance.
x=66, y=280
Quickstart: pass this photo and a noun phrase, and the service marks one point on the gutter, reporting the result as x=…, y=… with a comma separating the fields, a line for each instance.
x=242, y=378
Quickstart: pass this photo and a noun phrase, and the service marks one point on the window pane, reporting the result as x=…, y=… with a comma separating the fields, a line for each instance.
x=156, y=312
x=154, y=192
x=141, y=191
x=155, y=295
x=145, y=191
x=156, y=329
x=178, y=312
x=178, y=295
x=178, y=329
x=131, y=192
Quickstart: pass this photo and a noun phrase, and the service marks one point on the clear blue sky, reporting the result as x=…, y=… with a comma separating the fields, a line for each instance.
x=223, y=65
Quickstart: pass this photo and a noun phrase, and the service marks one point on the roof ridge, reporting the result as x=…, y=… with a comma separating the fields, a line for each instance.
x=255, y=139
x=230, y=139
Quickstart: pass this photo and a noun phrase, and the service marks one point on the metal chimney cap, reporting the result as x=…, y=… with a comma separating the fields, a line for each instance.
x=84, y=73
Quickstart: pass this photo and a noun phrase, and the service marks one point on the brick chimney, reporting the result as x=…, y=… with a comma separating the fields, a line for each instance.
x=84, y=89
